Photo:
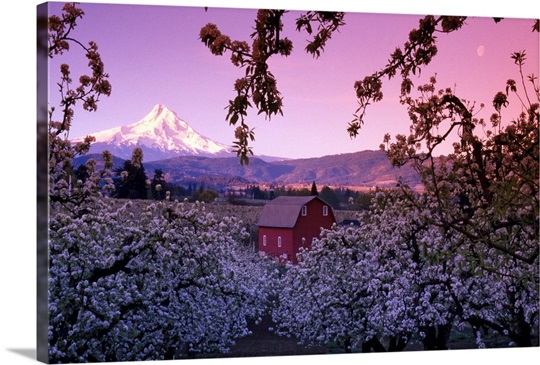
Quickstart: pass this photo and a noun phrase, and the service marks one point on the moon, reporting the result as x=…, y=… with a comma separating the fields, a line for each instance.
x=480, y=50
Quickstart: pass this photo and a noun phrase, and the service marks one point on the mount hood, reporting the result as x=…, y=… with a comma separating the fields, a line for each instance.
x=161, y=134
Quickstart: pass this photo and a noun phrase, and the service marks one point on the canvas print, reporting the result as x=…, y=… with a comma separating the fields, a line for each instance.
x=226, y=182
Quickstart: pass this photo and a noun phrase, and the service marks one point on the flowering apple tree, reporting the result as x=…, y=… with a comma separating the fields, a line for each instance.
x=451, y=273
x=370, y=288
x=400, y=278
x=322, y=299
x=166, y=282
x=124, y=284
x=485, y=193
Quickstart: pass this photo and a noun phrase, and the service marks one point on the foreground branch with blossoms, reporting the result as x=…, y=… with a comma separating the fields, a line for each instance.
x=258, y=88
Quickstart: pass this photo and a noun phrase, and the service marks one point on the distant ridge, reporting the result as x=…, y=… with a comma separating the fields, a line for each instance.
x=361, y=169
x=364, y=168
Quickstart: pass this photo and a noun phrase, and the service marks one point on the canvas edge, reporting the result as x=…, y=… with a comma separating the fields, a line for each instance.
x=42, y=319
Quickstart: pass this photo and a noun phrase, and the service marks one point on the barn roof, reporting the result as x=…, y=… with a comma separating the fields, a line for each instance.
x=283, y=211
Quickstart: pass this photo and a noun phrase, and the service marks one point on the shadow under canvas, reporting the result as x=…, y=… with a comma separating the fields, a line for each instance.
x=25, y=352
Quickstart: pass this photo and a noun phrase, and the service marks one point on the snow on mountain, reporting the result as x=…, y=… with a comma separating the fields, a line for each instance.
x=161, y=134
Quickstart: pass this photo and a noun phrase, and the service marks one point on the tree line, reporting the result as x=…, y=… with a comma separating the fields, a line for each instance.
x=338, y=198
x=132, y=182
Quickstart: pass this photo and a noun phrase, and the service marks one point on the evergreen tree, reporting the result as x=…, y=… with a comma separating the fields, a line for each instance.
x=131, y=181
x=258, y=193
x=314, y=189
x=159, y=186
x=81, y=173
x=329, y=196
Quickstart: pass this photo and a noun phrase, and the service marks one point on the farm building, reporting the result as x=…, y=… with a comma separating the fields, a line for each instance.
x=290, y=222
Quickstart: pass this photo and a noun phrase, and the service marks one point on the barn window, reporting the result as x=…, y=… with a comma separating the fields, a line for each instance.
x=304, y=210
x=279, y=242
x=325, y=210
x=264, y=240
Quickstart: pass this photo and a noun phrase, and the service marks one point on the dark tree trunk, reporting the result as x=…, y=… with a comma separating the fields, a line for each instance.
x=169, y=354
x=366, y=347
x=520, y=332
x=429, y=339
x=436, y=337
x=373, y=345
x=347, y=346
x=398, y=343
x=442, y=336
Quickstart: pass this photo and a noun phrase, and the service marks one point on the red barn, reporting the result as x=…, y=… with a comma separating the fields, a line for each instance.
x=290, y=222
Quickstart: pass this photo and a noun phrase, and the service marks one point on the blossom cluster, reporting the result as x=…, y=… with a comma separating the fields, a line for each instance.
x=171, y=282
x=399, y=278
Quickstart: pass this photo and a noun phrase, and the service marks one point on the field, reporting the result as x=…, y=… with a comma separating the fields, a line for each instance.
x=248, y=214
x=263, y=342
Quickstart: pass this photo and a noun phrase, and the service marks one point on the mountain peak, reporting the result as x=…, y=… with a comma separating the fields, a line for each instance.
x=160, y=134
x=160, y=110
x=160, y=113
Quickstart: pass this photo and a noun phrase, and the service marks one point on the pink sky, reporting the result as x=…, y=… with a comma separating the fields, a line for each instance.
x=153, y=55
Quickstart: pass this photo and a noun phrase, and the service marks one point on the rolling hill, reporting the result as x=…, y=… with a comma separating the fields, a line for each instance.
x=362, y=169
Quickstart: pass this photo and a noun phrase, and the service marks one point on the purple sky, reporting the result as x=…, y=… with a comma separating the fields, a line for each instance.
x=153, y=55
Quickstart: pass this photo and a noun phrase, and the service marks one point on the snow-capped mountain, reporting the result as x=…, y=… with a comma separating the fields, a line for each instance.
x=161, y=134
